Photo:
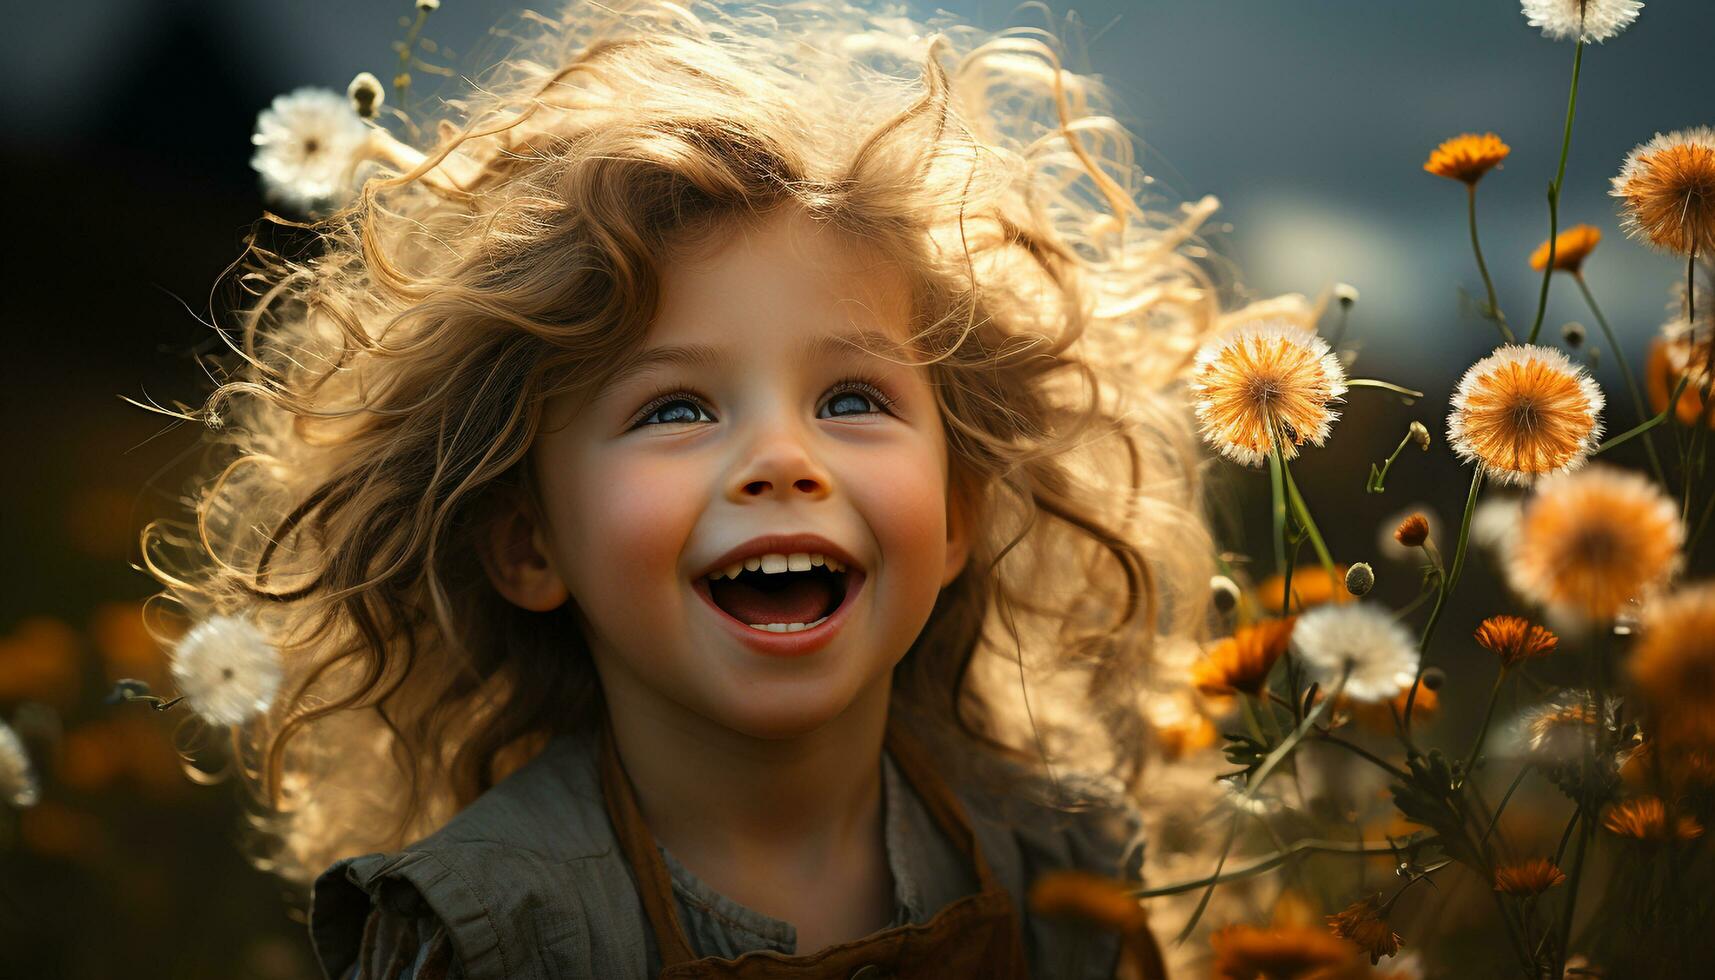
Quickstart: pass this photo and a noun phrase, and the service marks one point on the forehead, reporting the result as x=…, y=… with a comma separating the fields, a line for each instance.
x=782, y=277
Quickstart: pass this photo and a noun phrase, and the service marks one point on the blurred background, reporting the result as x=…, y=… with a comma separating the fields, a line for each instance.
x=126, y=147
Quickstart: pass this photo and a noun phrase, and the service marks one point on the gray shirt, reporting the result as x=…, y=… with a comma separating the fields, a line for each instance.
x=529, y=881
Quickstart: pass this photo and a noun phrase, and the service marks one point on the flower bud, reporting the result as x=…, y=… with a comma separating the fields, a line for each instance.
x=428, y=6
x=1360, y=578
x=1434, y=678
x=1420, y=435
x=1412, y=531
x=1573, y=334
x=366, y=94
x=1346, y=293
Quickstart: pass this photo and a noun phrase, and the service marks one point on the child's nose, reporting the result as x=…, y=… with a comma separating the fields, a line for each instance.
x=782, y=466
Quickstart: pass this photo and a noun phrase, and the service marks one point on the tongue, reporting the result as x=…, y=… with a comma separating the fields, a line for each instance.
x=801, y=598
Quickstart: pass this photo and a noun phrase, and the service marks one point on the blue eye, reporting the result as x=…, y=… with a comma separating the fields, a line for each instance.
x=678, y=406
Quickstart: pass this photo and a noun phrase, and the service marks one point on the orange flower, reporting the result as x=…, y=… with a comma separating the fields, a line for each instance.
x=1524, y=412
x=1513, y=638
x=1412, y=531
x=1092, y=897
x=1531, y=877
x=1265, y=383
x=1467, y=157
x=1311, y=586
x=1245, y=952
x=1571, y=248
x=1591, y=541
x=1667, y=191
x=1670, y=357
x=1673, y=665
x=1364, y=925
x=1182, y=738
x=1646, y=818
x=1241, y=662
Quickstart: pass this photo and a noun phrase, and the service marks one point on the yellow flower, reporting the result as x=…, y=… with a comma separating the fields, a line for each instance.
x=1467, y=157
x=1591, y=541
x=1524, y=412
x=1646, y=818
x=1673, y=665
x=1244, y=952
x=1571, y=248
x=1513, y=638
x=1667, y=191
x=1242, y=661
x=1365, y=926
x=1531, y=877
x=1262, y=382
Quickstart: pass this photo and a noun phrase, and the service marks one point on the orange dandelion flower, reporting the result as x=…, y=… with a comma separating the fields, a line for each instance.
x=1467, y=157
x=1667, y=191
x=1311, y=586
x=1646, y=818
x=1182, y=738
x=1524, y=412
x=1264, y=383
x=1571, y=248
x=1671, y=356
x=1673, y=665
x=1091, y=897
x=1532, y=877
x=1244, y=952
x=1513, y=638
x=1364, y=925
x=1588, y=542
x=1412, y=531
x=1241, y=662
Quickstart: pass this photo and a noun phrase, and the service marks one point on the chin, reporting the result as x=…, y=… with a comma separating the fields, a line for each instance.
x=784, y=711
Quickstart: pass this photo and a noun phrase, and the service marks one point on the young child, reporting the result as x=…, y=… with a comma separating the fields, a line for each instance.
x=716, y=507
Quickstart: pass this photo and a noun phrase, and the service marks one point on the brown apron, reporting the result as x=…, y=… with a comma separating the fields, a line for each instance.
x=975, y=936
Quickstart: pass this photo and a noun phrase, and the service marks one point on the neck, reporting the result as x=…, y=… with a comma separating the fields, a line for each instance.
x=708, y=792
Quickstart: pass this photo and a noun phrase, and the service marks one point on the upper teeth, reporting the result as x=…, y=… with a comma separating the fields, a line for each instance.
x=773, y=563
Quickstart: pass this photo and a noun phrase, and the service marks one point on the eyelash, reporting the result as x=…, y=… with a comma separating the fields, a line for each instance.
x=861, y=384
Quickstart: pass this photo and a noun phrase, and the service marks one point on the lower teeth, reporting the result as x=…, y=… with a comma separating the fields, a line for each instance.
x=786, y=627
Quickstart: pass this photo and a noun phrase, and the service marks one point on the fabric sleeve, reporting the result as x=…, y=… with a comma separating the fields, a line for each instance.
x=403, y=947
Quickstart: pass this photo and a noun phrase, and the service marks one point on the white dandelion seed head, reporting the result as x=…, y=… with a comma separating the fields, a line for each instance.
x=1503, y=405
x=18, y=784
x=305, y=143
x=1383, y=656
x=226, y=669
x=1580, y=20
x=1270, y=370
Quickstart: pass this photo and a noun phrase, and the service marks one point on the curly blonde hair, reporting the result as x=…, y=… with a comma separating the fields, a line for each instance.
x=384, y=393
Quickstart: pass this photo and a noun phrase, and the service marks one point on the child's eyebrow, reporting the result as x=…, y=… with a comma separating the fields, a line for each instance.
x=819, y=347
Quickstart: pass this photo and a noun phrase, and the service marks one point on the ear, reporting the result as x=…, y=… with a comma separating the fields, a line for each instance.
x=958, y=536
x=514, y=553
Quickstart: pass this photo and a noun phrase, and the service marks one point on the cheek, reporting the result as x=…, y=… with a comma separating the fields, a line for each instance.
x=903, y=499
x=620, y=529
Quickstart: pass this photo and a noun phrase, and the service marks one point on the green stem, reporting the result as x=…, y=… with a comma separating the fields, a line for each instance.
x=1494, y=311
x=1626, y=370
x=1392, y=770
x=1269, y=863
x=1390, y=386
x=1448, y=581
x=1523, y=771
x=1635, y=430
x=1554, y=193
x=1303, y=514
x=1277, y=488
x=1483, y=730
x=1377, y=482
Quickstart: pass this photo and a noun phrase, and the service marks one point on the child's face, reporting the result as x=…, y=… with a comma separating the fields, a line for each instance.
x=642, y=504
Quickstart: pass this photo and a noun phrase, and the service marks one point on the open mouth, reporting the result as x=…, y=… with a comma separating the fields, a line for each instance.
x=782, y=601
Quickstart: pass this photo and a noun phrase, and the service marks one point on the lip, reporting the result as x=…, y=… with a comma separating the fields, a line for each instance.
x=796, y=644
x=784, y=544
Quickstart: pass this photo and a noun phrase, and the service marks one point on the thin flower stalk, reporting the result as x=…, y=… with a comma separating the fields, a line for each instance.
x=1447, y=583
x=1554, y=192
x=1494, y=310
x=1483, y=730
x=1269, y=862
x=1626, y=372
